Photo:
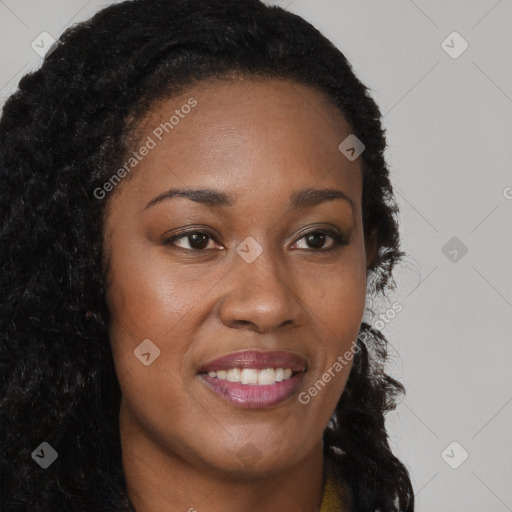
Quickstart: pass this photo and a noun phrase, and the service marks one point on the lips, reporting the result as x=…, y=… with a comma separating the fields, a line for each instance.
x=233, y=377
x=257, y=360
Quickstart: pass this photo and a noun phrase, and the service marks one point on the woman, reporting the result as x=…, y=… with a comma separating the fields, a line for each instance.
x=195, y=205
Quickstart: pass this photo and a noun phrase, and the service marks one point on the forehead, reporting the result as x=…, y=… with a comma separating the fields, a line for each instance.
x=244, y=134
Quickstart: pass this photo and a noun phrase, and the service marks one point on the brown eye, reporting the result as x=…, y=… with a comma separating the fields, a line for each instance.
x=316, y=239
x=197, y=240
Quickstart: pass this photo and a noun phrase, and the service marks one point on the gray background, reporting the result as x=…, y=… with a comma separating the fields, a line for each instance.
x=449, y=130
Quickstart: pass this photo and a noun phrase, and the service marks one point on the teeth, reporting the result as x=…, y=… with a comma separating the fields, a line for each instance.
x=267, y=376
x=253, y=376
x=249, y=376
x=234, y=375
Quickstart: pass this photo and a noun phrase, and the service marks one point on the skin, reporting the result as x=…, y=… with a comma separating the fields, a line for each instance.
x=259, y=140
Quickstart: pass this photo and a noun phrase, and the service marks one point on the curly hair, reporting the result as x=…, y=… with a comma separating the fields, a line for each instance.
x=69, y=124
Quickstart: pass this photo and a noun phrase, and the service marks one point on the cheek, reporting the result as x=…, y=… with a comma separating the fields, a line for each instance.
x=336, y=294
x=148, y=297
x=337, y=301
x=146, y=303
x=149, y=316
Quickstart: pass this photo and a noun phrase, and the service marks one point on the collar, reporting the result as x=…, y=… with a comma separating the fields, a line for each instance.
x=336, y=496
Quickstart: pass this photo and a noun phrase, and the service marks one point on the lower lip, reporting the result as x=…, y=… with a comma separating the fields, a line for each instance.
x=254, y=396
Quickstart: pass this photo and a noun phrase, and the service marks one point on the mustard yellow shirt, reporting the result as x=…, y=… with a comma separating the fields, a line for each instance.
x=337, y=495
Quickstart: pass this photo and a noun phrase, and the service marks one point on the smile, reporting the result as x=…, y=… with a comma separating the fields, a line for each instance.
x=254, y=379
x=253, y=376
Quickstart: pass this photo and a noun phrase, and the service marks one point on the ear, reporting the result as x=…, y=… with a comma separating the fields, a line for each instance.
x=371, y=248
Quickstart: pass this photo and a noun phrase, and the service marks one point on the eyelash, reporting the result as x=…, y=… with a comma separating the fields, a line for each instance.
x=339, y=240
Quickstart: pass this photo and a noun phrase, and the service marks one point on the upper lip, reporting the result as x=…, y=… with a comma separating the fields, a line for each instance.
x=257, y=359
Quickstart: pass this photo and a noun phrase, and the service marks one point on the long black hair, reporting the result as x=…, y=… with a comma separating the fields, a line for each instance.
x=62, y=134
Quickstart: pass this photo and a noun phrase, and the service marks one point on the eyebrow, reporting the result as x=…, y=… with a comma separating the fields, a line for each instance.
x=300, y=199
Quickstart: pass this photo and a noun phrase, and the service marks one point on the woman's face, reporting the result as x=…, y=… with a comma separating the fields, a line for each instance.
x=245, y=281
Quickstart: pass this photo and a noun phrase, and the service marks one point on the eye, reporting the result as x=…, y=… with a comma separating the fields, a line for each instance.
x=196, y=240
x=316, y=240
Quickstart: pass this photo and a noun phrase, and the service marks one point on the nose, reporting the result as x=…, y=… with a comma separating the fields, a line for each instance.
x=262, y=296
